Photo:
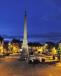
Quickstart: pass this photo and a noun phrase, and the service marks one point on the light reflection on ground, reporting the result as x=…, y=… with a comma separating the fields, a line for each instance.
x=14, y=67
x=58, y=64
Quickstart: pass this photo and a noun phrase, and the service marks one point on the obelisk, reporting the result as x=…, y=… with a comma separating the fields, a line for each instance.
x=25, y=41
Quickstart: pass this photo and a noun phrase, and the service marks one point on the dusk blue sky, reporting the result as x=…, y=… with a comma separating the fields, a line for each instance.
x=43, y=17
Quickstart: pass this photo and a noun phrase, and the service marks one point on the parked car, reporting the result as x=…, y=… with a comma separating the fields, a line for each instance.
x=43, y=58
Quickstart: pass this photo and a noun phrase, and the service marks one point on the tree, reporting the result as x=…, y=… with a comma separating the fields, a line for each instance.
x=1, y=39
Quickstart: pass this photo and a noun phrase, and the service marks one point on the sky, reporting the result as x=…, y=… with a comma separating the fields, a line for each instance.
x=43, y=17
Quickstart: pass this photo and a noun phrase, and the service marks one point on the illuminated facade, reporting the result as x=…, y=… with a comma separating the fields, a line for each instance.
x=53, y=51
x=13, y=48
x=1, y=47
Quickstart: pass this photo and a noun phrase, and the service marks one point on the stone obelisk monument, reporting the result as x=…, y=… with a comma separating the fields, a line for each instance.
x=25, y=52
